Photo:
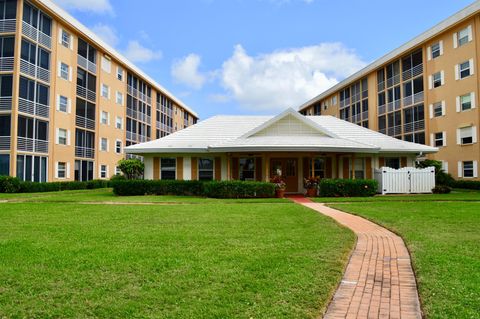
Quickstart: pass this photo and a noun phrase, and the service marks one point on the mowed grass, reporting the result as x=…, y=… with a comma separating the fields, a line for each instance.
x=214, y=259
x=444, y=241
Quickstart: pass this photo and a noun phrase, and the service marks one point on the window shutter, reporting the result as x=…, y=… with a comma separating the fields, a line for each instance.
x=442, y=76
x=432, y=141
x=457, y=102
x=455, y=40
x=108, y=145
x=429, y=53
x=108, y=119
x=443, y=108
x=458, y=137
x=56, y=169
x=430, y=108
x=69, y=106
x=445, y=166
x=108, y=169
x=60, y=35
x=430, y=82
x=441, y=47
x=473, y=101
x=475, y=169
x=68, y=137
x=444, y=138
x=71, y=41
x=470, y=36
x=457, y=72
x=472, y=68
x=68, y=170
x=70, y=71
x=58, y=102
x=59, y=69
x=474, y=134
x=459, y=171
x=57, y=132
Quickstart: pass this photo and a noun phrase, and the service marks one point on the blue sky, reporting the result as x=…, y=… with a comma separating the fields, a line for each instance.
x=255, y=56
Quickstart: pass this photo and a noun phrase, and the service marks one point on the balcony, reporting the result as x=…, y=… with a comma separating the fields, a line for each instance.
x=137, y=94
x=84, y=122
x=6, y=64
x=382, y=109
x=393, y=80
x=5, y=142
x=26, y=144
x=34, y=71
x=33, y=108
x=8, y=25
x=86, y=64
x=393, y=106
x=381, y=86
x=413, y=72
x=413, y=99
x=36, y=35
x=414, y=126
x=5, y=103
x=86, y=94
x=163, y=127
x=131, y=113
x=84, y=152
x=395, y=130
x=132, y=136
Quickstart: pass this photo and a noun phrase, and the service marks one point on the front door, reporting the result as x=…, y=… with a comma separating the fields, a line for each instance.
x=287, y=168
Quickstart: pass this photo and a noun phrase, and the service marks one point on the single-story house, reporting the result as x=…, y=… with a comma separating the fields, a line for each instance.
x=255, y=148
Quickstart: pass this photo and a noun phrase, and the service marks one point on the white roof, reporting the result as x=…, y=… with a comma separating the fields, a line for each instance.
x=89, y=35
x=288, y=131
x=429, y=34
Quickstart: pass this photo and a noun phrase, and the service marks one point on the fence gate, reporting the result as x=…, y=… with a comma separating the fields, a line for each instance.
x=407, y=180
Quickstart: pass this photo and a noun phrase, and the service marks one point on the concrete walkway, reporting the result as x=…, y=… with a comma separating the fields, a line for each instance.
x=379, y=281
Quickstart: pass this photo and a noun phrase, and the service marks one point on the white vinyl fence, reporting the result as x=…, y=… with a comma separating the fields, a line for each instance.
x=407, y=180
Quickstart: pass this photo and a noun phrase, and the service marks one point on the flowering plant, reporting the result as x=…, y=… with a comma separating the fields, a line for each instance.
x=279, y=182
x=311, y=182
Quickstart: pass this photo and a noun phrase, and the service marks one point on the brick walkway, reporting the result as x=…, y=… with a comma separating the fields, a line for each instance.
x=379, y=280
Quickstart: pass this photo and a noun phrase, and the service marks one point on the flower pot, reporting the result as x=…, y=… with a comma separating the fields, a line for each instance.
x=280, y=193
x=311, y=192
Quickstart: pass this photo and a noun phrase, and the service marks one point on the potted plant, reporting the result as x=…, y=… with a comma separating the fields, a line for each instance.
x=280, y=186
x=311, y=184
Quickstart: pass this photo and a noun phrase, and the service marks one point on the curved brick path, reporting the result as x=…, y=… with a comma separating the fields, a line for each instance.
x=379, y=280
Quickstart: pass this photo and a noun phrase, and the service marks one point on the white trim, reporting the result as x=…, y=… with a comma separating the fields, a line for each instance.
x=457, y=103
x=60, y=35
x=69, y=105
x=70, y=73
x=475, y=169
x=459, y=140
x=473, y=101
x=68, y=169
x=430, y=110
x=455, y=40
x=441, y=47
x=430, y=82
x=444, y=109
x=471, y=66
x=56, y=170
x=57, y=136
x=470, y=35
x=429, y=52
x=432, y=140
x=68, y=137
x=460, y=169
x=457, y=72
x=474, y=134
x=444, y=138
x=442, y=77
x=445, y=166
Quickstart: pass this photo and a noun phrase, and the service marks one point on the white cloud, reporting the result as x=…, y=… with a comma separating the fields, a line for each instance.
x=286, y=78
x=136, y=52
x=96, y=6
x=185, y=71
x=219, y=98
x=106, y=33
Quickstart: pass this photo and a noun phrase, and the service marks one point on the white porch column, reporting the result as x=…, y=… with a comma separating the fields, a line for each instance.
x=187, y=168
x=148, y=161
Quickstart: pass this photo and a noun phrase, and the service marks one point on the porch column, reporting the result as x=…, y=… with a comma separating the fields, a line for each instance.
x=267, y=168
x=353, y=166
x=229, y=169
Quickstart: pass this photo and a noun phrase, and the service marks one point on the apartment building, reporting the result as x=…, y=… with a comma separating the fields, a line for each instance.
x=426, y=91
x=69, y=103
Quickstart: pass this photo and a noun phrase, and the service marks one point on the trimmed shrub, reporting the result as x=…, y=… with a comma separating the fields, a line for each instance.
x=348, y=187
x=238, y=189
x=441, y=189
x=9, y=184
x=33, y=187
x=466, y=184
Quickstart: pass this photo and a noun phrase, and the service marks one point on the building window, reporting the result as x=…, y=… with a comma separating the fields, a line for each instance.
x=32, y=168
x=106, y=65
x=318, y=167
x=359, y=167
x=437, y=79
x=246, y=170
x=168, y=168
x=120, y=73
x=64, y=71
x=103, y=171
x=466, y=102
x=8, y=10
x=119, y=98
x=464, y=70
x=118, y=171
x=466, y=135
x=104, y=118
x=61, y=170
x=103, y=144
x=468, y=169
x=119, y=122
x=66, y=39
x=62, y=136
x=392, y=162
x=436, y=50
x=4, y=164
x=63, y=104
x=105, y=91
x=118, y=147
x=205, y=169
x=439, y=139
x=437, y=109
x=463, y=36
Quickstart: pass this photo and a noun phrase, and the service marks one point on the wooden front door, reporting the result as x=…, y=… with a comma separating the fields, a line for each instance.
x=288, y=169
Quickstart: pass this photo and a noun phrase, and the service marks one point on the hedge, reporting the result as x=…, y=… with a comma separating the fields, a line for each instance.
x=214, y=189
x=14, y=185
x=465, y=184
x=348, y=187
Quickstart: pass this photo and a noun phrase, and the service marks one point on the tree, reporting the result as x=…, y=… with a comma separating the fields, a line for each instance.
x=131, y=168
x=441, y=177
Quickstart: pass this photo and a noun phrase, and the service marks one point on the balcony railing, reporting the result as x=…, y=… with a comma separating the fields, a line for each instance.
x=365, y=115
x=136, y=93
x=84, y=152
x=393, y=106
x=86, y=64
x=33, y=108
x=163, y=127
x=8, y=25
x=26, y=144
x=395, y=130
x=5, y=103
x=413, y=99
x=393, y=80
x=383, y=130
x=413, y=72
x=5, y=142
x=414, y=126
x=34, y=71
x=381, y=86
x=86, y=94
x=36, y=35
x=6, y=64
x=132, y=136
x=164, y=109
x=84, y=122
x=382, y=109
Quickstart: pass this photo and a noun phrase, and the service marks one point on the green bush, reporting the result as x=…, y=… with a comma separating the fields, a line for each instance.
x=466, y=184
x=238, y=189
x=441, y=189
x=9, y=184
x=214, y=189
x=441, y=177
x=348, y=187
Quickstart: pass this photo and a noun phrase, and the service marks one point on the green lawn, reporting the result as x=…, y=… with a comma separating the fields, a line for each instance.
x=444, y=240
x=214, y=259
